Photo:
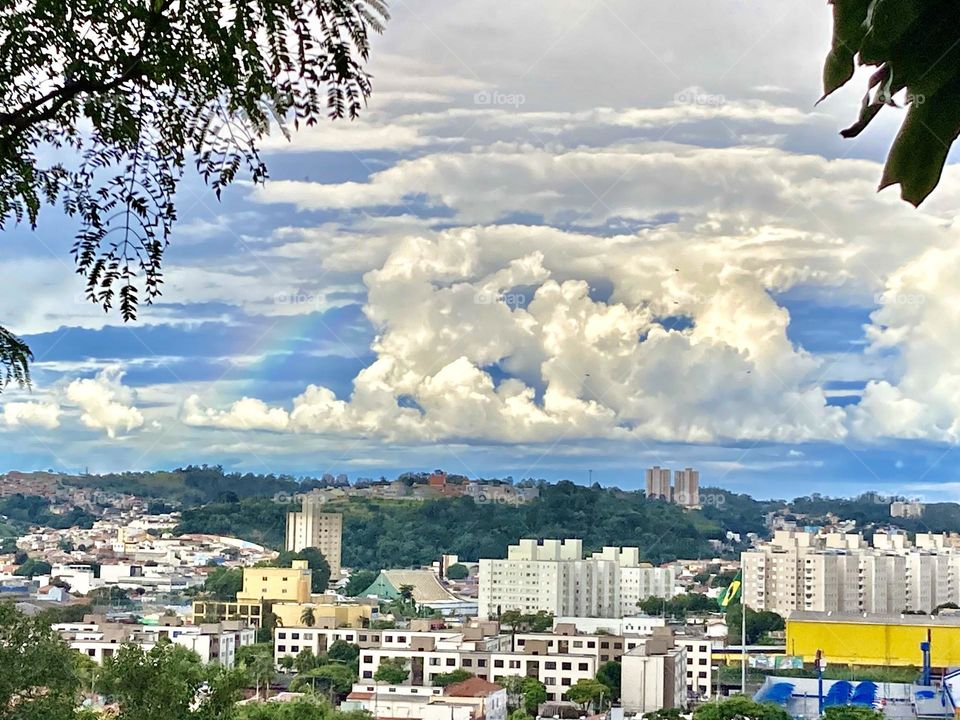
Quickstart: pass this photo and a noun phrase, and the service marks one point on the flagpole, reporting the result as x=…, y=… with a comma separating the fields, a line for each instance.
x=743, y=644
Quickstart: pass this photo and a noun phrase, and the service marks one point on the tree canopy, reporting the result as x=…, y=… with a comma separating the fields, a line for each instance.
x=104, y=102
x=740, y=708
x=915, y=47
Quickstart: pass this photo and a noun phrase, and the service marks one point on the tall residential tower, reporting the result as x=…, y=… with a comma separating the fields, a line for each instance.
x=320, y=530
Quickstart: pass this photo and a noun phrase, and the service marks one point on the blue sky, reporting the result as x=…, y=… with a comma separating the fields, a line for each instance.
x=565, y=237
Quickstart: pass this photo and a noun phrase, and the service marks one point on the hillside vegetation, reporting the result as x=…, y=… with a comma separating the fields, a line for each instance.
x=399, y=533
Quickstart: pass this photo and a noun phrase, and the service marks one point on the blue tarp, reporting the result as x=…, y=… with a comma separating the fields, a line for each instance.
x=865, y=693
x=778, y=693
x=839, y=693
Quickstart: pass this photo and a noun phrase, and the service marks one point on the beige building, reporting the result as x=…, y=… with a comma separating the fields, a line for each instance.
x=311, y=528
x=272, y=584
x=653, y=676
x=686, y=488
x=837, y=572
x=658, y=483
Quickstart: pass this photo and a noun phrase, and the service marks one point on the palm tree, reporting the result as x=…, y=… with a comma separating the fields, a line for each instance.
x=406, y=595
x=263, y=670
x=308, y=617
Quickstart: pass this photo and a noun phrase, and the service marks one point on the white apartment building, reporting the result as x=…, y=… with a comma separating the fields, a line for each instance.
x=311, y=528
x=471, y=700
x=653, y=677
x=558, y=659
x=841, y=573
x=98, y=640
x=553, y=576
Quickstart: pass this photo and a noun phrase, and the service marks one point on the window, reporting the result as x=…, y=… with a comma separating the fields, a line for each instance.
x=434, y=661
x=591, y=644
x=549, y=681
x=565, y=682
x=368, y=658
x=451, y=662
x=281, y=648
x=550, y=665
x=702, y=674
x=566, y=666
x=583, y=667
x=604, y=645
x=467, y=662
x=294, y=636
x=498, y=663
x=481, y=663
x=281, y=636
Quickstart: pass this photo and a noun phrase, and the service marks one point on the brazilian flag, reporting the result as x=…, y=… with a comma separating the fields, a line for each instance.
x=732, y=594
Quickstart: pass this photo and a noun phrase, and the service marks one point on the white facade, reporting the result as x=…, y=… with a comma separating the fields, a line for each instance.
x=312, y=528
x=213, y=643
x=841, y=573
x=652, y=680
x=553, y=576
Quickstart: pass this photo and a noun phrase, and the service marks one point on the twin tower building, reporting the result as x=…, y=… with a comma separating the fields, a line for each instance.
x=685, y=490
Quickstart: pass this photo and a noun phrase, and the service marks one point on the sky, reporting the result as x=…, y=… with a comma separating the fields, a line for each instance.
x=567, y=239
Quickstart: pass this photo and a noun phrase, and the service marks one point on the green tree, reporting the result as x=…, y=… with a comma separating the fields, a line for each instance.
x=740, y=708
x=308, y=617
x=458, y=571
x=914, y=48
x=524, y=694
x=758, y=623
x=306, y=661
x=224, y=583
x=452, y=677
x=588, y=693
x=334, y=680
x=41, y=675
x=512, y=619
x=851, y=712
x=305, y=708
x=359, y=581
x=33, y=567
x=287, y=663
x=169, y=681
x=245, y=654
x=609, y=674
x=263, y=671
x=392, y=671
x=343, y=652
x=664, y=714
x=519, y=714
x=317, y=563
x=130, y=88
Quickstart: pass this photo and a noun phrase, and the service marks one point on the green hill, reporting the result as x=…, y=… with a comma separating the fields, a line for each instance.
x=392, y=533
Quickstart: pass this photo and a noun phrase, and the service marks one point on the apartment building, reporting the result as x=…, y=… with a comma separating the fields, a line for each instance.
x=686, y=488
x=274, y=584
x=312, y=528
x=98, y=639
x=473, y=699
x=656, y=677
x=658, y=483
x=840, y=572
x=559, y=659
x=553, y=576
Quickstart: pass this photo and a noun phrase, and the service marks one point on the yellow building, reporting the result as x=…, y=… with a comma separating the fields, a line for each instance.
x=874, y=639
x=326, y=615
x=272, y=584
x=217, y=610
